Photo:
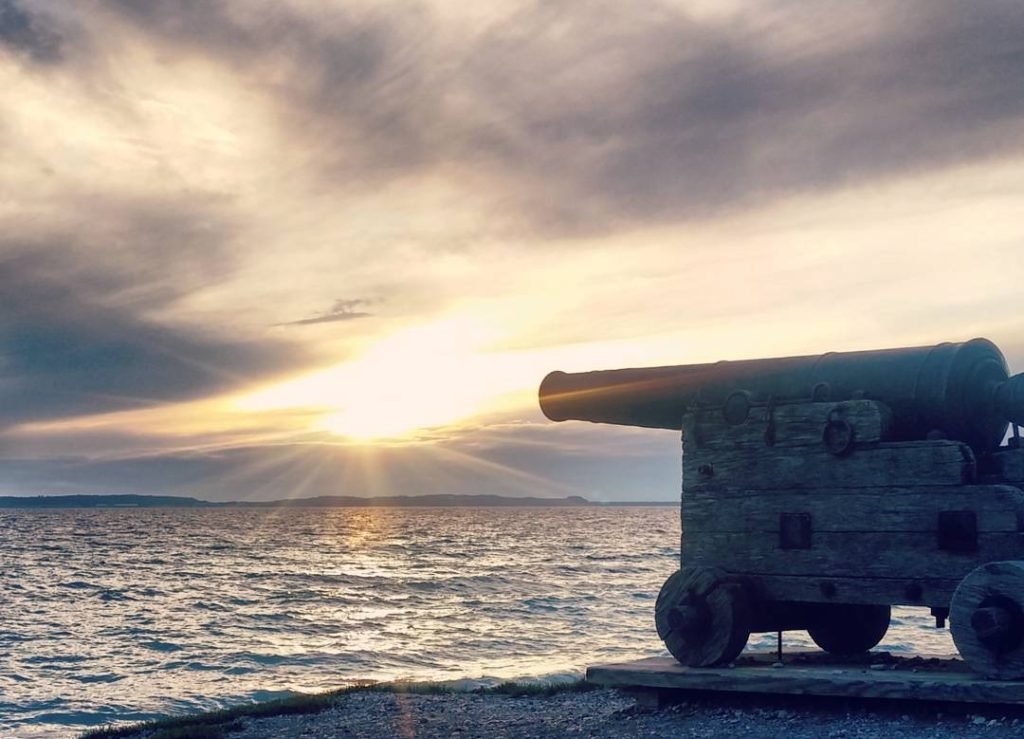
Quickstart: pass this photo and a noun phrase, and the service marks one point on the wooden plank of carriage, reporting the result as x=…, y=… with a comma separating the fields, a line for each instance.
x=853, y=554
x=732, y=473
x=1008, y=465
x=794, y=425
x=651, y=680
x=917, y=591
x=999, y=508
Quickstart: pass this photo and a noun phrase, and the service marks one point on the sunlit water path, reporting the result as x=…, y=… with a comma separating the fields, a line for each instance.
x=123, y=614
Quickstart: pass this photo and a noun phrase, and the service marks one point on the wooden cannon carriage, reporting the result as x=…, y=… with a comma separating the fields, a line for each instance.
x=820, y=491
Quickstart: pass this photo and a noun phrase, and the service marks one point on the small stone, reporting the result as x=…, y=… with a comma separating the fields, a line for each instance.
x=978, y=720
x=777, y=664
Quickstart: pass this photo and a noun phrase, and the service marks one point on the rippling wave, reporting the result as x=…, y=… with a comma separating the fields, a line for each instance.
x=114, y=615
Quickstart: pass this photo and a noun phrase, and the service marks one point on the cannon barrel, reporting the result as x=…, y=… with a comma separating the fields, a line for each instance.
x=962, y=390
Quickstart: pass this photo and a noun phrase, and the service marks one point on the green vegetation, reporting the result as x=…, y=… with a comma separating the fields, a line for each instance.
x=218, y=724
x=539, y=690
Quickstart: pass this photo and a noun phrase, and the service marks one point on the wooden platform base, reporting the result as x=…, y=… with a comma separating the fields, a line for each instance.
x=879, y=676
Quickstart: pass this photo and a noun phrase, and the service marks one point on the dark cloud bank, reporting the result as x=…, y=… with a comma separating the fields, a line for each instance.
x=600, y=114
x=596, y=114
x=29, y=34
x=75, y=336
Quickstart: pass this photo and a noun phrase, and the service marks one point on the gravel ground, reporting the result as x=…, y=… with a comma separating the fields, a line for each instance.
x=607, y=713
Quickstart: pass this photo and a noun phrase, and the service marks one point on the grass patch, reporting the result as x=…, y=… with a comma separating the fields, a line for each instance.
x=219, y=724
x=539, y=690
x=216, y=731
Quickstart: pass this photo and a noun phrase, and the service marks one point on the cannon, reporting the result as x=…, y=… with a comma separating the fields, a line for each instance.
x=820, y=491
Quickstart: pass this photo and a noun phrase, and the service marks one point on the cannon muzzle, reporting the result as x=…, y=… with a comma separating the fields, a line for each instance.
x=1009, y=399
x=962, y=391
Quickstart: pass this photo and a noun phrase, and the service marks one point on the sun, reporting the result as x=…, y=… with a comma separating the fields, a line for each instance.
x=427, y=376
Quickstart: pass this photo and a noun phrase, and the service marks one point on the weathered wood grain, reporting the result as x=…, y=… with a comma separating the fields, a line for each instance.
x=888, y=465
x=922, y=591
x=998, y=508
x=1008, y=465
x=868, y=554
x=996, y=587
x=795, y=425
x=826, y=680
x=703, y=616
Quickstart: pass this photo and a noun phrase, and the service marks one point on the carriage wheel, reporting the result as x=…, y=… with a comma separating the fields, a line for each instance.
x=848, y=629
x=703, y=616
x=986, y=617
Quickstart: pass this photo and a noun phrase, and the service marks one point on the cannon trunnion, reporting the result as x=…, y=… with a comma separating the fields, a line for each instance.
x=820, y=512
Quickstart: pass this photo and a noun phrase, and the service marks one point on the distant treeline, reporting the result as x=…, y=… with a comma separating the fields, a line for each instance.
x=323, y=501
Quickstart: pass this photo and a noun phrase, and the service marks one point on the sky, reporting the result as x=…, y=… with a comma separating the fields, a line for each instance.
x=257, y=249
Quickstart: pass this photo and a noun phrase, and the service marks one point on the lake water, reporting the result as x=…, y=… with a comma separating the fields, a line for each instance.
x=113, y=615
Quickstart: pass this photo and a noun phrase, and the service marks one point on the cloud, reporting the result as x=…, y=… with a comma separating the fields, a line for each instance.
x=212, y=169
x=652, y=114
x=80, y=331
x=657, y=117
x=29, y=34
x=342, y=310
x=350, y=85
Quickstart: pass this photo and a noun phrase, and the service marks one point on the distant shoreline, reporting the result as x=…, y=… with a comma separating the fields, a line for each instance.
x=324, y=501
